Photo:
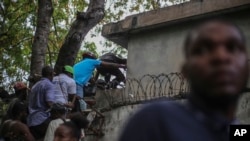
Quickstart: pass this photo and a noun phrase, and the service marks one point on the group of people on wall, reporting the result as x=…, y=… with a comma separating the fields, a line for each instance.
x=52, y=108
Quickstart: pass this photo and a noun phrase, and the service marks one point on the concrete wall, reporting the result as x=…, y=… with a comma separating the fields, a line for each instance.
x=115, y=116
x=155, y=52
x=114, y=123
x=160, y=51
x=243, y=112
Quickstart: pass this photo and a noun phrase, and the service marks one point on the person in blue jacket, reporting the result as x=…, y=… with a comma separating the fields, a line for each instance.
x=84, y=69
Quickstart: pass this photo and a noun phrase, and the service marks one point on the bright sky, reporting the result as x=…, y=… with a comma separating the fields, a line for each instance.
x=109, y=4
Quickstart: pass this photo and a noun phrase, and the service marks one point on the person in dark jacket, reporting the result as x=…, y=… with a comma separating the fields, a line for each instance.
x=108, y=72
x=217, y=70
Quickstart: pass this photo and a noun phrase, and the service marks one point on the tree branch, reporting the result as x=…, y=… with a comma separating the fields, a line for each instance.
x=50, y=58
x=54, y=24
x=39, y=46
x=84, y=22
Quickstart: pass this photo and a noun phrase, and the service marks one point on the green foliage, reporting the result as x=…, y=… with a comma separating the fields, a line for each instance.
x=16, y=35
x=3, y=108
x=18, y=24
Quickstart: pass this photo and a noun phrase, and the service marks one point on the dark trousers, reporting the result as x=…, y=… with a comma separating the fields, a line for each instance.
x=39, y=131
x=107, y=72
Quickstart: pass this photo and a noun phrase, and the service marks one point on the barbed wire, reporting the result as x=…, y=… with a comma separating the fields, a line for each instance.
x=149, y=87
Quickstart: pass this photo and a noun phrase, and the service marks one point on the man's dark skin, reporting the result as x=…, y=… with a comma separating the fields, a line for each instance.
x=216, y=67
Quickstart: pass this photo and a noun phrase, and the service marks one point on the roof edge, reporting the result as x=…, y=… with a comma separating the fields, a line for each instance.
x=118, y=32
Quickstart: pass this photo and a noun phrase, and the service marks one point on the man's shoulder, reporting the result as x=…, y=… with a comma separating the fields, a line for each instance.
x=41, y=85
x=56, y=122
x=66, y=79
x=92, y=61
x=162, y=105
x=43, y=81
x=87, y=62
x=157, y=116
x=158, y=109
x=55, y=78
x=49, y=85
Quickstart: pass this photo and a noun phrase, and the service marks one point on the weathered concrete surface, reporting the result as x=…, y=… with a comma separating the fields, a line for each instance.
x=243, y=112
x=160, y=50
x=118, y=32
x=114, y=123
x=115, y=117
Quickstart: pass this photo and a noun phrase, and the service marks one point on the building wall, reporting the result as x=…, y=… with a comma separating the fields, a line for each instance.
x=160, y=51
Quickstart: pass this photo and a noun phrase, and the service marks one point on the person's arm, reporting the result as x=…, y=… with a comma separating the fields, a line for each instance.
x=72, y=99
x=112, y=65
x=71, y=90
x=49, y=136
x=50, y=94
x=96, y=76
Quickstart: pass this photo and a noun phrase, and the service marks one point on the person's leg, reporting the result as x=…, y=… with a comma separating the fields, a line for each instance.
x=79, y=91
x=118, y=79
x=120, y=60
x=107, y=77
x=118, y=74
x=83, y=104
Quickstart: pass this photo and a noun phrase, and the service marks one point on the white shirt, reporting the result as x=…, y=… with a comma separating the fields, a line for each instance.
x=64, y=85
x=50, y=132
x=49, y=136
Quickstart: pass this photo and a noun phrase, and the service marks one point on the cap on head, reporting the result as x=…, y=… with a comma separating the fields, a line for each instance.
x=88, y=55
x=19, y=86
x=69, y=69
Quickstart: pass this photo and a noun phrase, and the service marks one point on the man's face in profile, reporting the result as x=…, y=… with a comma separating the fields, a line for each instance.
x=216, y=62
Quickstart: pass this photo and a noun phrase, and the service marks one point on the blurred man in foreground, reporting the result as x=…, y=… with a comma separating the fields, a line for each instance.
x=216, y=68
